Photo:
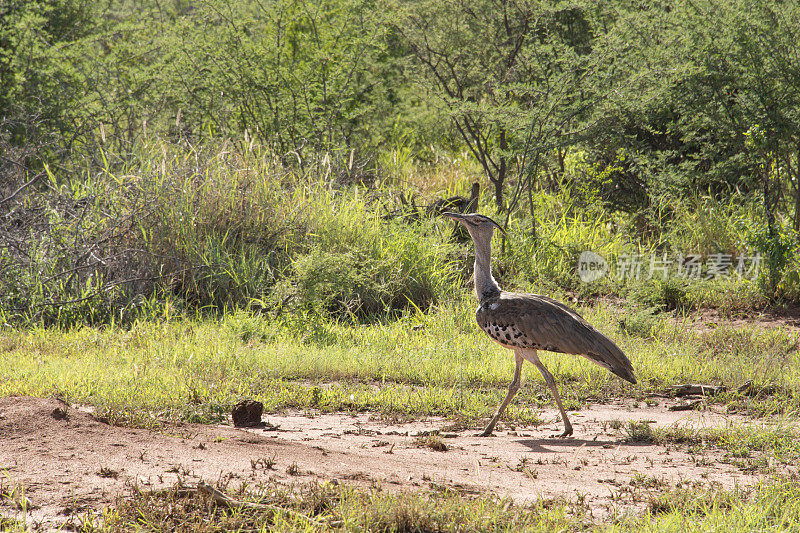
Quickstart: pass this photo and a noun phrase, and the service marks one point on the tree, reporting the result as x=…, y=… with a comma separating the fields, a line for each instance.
x=720, y=110
x=701, y=75
x=305, y=77
x=513, y=77
x=38, y=85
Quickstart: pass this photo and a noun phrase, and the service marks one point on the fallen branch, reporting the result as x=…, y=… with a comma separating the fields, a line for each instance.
x=24, y=185
x=695, y=389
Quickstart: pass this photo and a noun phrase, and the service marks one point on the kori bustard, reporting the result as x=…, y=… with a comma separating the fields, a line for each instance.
x=526, y=323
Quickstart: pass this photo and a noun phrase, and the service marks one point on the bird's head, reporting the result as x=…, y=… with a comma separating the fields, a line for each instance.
x=478, y=226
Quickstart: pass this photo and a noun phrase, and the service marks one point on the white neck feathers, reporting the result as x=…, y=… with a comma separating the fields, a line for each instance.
x=485, y=284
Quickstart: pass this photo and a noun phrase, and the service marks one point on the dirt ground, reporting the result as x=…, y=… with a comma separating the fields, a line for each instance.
x=72, y=464
x=708, y=319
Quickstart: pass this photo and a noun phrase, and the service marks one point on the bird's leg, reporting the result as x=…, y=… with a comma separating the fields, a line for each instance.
x=551, y=382
x=512, y=390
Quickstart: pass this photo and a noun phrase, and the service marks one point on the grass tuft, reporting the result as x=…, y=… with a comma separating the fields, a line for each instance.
x=433, y=442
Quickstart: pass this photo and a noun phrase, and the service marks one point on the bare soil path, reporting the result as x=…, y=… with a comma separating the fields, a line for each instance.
x=75, y=463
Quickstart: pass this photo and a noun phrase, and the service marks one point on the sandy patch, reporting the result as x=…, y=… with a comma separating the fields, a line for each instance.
x=76, y=463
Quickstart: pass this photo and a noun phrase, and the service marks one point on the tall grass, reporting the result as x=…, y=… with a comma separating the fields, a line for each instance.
x=549, y=259
x=212, y=231
x=175, y=228
x=249, y=225
x=704, y=225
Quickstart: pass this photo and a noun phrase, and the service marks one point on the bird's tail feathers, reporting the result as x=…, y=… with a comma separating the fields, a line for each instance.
x=608, y=355
x=625, y=373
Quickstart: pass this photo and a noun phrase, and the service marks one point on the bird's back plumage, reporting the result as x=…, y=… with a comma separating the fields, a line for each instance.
x=537, y=322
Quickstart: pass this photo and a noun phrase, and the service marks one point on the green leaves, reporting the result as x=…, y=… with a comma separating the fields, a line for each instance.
x=516, y=80
x=301, y=77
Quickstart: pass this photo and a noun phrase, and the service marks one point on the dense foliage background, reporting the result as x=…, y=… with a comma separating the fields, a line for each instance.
x=280, y=154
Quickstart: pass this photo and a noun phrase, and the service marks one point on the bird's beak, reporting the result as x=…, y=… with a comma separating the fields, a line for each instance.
x=496, y=225
x=458, y=217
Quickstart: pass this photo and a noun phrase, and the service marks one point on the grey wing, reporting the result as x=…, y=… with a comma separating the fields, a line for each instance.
x=552, y=326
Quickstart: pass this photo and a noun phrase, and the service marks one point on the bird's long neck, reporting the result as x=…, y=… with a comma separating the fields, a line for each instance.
x=485, y=285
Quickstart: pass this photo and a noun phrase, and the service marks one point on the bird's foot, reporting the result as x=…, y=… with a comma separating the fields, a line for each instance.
x=489, y=429
x=567, y=433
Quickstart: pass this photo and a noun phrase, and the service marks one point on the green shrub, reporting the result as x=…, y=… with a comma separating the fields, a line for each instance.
x=644, y=323
x=384, y=270
x=213, y=229
x=563, y=231
x=664, y=294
